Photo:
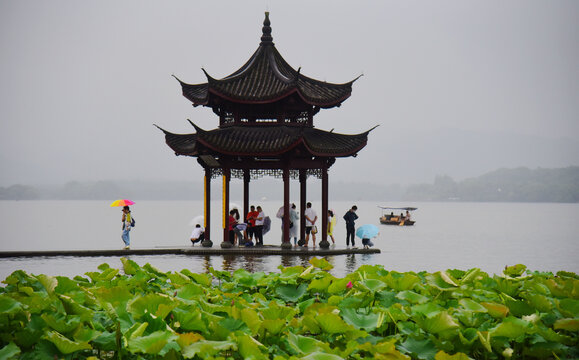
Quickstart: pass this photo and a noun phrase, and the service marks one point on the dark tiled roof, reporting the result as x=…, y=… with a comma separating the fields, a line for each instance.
x=267, y=77
x=270, y=140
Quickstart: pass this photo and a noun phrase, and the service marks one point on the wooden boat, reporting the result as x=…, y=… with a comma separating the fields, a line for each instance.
x=400, y=220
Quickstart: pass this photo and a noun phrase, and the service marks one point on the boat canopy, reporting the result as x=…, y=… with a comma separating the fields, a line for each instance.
x=398, y=208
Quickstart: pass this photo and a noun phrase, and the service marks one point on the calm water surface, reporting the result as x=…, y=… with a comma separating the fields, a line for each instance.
x=446, y=236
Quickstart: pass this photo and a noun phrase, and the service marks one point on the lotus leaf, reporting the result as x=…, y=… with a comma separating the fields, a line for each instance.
x=190, y=320
x=412, y=297
x=152, y=343
x=249, y=348
x=338, y=286
x=421, y=349
x=438, y=323
x=9, y=351
x=8, y=305
x=179, y=278
x=473, y=306
x=321, y=264
x=206, y=348
x=428, y=309
x=129, y=266
x=400, y=282
x=49, y=283
x=442, y=281
x=511, y=327
x=383, y=350
x=569, y=307
x=322, y=356
x=517, y=307
x=567, y=324
x=291, y=293
x=291, y=274
x=539, y=302
x=201, y=279
x=372, y=285
x=190, y=291
x=496, y=310
x=65, y=345
x=367, y=322
x=151, y=303
x=305, y=345
x=321, y=284
x=332, y=323
x=441, y=355
x=515, y=270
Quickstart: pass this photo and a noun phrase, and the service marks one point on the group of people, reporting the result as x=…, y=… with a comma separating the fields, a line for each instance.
x=240, y=233
x=243, y=233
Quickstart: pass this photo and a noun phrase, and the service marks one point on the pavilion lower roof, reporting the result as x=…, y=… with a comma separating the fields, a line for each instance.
x=269, y=141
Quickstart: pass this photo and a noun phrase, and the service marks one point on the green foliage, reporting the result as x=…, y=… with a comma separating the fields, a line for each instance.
x=298, y=313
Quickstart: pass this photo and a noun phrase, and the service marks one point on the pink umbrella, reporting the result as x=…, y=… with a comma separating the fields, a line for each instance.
x=122, y=202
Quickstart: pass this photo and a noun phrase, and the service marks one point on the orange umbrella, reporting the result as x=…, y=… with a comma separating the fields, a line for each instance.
x=122, y=202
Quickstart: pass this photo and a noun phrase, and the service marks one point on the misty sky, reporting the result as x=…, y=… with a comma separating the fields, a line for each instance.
x=458, y=87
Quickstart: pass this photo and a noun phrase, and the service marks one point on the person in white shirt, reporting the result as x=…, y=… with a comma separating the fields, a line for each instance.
x=258, y=230
x=311, y=218
x=198, y=234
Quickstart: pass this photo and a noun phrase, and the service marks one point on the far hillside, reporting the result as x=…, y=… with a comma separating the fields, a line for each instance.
x=503, y=185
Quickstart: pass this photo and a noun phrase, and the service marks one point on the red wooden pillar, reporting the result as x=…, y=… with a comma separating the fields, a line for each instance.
x=226, y=178
x=246, y=179
x=303, y=200
x=324, y=216
x=286, y=244
x=207, y=209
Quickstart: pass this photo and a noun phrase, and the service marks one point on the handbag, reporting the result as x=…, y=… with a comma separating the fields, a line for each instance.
x=314, y=229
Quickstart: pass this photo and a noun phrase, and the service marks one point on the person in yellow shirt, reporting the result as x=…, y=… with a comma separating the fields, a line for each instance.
x=331, y=225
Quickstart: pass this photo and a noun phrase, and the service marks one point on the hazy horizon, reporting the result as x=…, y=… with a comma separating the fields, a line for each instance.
x=458, y=89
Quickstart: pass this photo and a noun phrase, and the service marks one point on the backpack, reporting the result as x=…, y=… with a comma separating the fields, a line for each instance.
x=132, y=221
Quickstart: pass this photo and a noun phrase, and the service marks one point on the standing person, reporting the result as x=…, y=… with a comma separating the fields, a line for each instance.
x=311, y=218
x=232, y=223
x=236, y=229
x=350, y=218
x=198, y=234
x=126, y=220
x=294, y=218
x=251, y=216
x=331, y=225
x=258, y=229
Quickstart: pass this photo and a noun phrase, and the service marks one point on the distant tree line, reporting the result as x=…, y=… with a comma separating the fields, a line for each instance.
x=503, y=185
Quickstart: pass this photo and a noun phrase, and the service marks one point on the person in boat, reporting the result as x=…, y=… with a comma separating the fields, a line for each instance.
x=407, y=215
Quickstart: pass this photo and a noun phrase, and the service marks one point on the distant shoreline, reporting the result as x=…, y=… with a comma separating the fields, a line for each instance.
x=504, y=185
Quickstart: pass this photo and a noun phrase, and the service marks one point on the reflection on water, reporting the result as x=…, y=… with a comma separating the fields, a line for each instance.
x=351, y=263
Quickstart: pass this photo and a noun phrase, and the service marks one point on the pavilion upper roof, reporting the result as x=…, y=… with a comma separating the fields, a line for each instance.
x=265, y=78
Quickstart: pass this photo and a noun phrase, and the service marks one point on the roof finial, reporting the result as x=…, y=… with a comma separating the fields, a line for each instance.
x=266, y=38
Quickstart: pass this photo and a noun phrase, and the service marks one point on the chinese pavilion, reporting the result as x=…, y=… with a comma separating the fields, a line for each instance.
x=266, y=111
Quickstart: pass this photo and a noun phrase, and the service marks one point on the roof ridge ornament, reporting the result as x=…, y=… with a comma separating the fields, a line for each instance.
x=266, y=38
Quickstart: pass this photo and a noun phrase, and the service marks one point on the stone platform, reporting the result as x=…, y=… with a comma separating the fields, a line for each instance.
x=197, y=250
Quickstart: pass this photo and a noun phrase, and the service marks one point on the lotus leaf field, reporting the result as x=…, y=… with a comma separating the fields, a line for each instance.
x=139, y=312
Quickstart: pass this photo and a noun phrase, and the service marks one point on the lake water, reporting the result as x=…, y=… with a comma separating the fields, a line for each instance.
x=450, y=235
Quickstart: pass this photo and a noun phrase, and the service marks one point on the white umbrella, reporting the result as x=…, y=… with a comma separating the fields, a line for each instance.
x=198, y=220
